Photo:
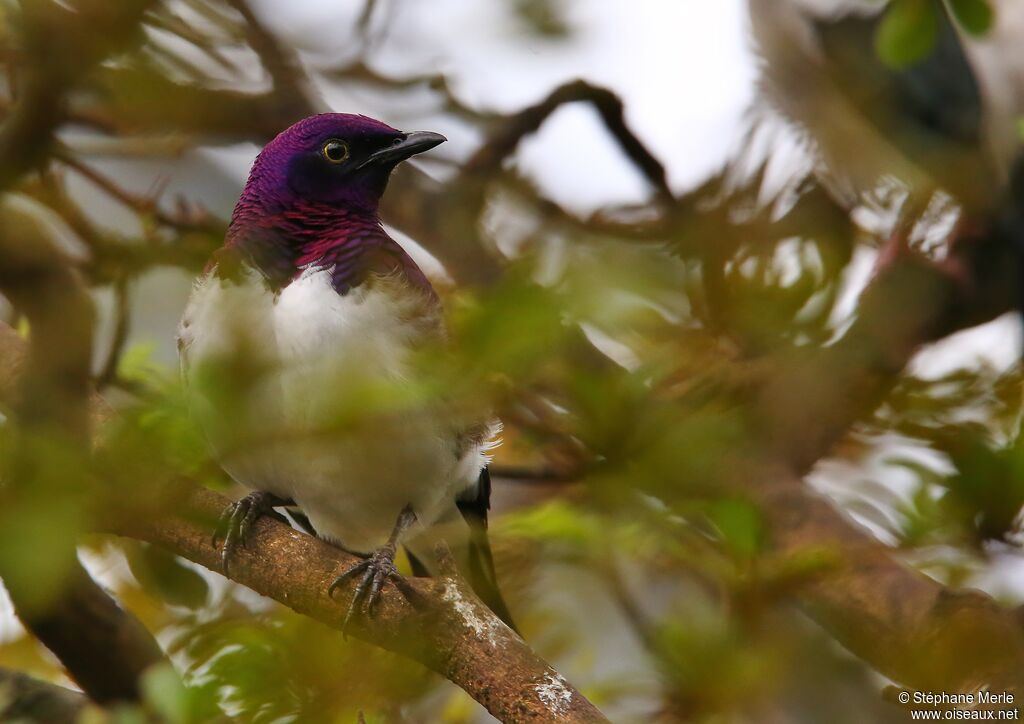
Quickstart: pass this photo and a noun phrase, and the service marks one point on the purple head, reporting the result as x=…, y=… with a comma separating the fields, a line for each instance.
x=312, y=198
x=332, y=159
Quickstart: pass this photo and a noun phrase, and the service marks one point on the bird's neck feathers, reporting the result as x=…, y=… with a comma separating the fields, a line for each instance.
x=282, y=240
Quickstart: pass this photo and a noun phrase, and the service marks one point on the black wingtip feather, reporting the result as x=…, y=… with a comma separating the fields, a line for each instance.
x=481, y=573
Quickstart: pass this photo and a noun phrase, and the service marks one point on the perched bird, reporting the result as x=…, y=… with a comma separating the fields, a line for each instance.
x=298, y=346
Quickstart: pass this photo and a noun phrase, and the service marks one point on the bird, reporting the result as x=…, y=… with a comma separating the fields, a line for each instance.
x=298, y=348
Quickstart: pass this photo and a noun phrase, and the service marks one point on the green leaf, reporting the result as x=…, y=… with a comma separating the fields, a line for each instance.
x=136, y=363
x=555, y=522
x=163, y=574
x=974, y=15
x=166, y=695
x=740, y=524
x=907, y=33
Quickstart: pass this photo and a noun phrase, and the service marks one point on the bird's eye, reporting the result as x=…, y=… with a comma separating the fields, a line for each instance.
x=334, y=150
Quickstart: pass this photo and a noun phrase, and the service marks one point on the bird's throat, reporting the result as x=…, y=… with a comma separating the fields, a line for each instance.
x=284, y=243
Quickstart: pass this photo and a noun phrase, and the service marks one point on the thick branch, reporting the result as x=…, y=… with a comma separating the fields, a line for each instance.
x=905, y=624
x=446, y=627
x=103, y=647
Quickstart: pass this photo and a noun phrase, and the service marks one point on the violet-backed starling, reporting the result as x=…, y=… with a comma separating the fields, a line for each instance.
x=315, y=314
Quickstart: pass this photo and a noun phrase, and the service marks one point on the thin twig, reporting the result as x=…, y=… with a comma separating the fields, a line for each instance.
x=291, y=84
x=142, y=205
x=513, y=129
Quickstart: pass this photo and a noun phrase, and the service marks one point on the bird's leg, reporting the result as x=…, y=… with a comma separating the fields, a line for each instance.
x=376, y=569
x=237, y=520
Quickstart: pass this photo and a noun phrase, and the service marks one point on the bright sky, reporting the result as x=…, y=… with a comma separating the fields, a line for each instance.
x=681, y=67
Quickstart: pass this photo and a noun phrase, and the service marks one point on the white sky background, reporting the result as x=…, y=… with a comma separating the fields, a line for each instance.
x=682, y=67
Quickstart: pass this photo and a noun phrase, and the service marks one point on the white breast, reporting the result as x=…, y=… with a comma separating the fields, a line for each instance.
x=336, y=416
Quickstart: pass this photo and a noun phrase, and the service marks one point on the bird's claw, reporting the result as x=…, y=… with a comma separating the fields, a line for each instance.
x=373, y=572
x=236, y=521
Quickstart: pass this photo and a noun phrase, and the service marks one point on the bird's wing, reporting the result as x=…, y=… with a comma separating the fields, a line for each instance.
x=473, y=505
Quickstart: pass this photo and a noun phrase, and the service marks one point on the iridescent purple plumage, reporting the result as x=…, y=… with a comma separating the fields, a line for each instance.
x=308, y=223
x=298, y=211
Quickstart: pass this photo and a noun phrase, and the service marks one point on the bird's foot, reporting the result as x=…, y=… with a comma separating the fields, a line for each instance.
x=376, y=569
x=373, y=572
x=238, y=518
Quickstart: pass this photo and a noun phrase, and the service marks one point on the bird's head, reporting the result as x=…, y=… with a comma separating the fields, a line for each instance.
x=332, y=159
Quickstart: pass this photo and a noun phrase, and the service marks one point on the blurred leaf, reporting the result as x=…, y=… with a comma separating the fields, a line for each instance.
x=163, y=691
x=37, y=548
x=512, y=331
x=543, y=17
x=136, y=363
x=122, y=715
x=988, y=488
x=43, y=511
x=908, y=32
x=923, y=517
x=707, y=659
x=166, y=576
x=556, y=521
x=974, y=15
x=281, y=666
x=24, y=653
x=740, y=525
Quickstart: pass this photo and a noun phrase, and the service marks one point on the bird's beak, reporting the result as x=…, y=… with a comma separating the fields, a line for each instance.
x=404, y=147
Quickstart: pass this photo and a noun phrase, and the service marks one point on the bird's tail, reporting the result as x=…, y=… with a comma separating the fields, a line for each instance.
x=481, y=573
x=472, y=553
x=478, y=560
x=477, y=564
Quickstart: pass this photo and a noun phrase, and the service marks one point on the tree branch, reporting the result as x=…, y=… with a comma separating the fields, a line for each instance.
x=907, y=625
x=445, y=627
x=89, y=33
x=513, y=129
x=103, y=648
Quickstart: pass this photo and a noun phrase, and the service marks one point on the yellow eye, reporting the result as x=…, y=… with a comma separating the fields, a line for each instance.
x=334, y=150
